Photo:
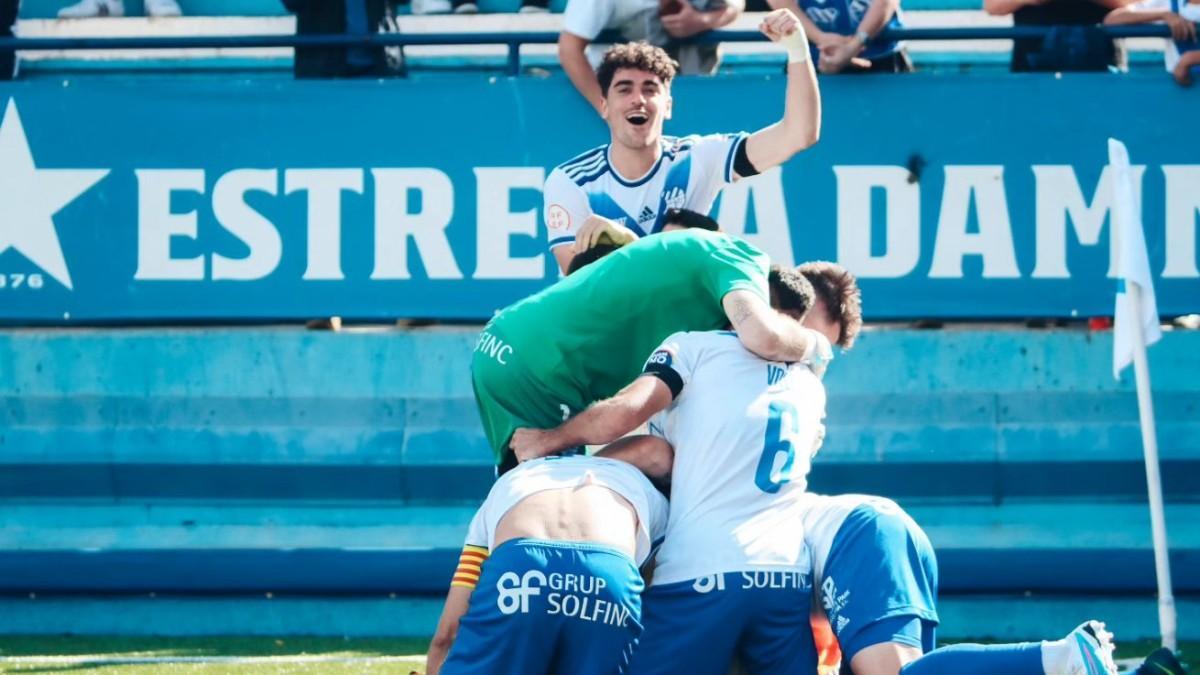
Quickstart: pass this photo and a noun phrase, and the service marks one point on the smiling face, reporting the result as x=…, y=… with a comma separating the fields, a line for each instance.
x=635, y=107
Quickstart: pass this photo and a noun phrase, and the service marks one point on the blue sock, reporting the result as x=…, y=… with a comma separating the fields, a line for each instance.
x=1023, y=658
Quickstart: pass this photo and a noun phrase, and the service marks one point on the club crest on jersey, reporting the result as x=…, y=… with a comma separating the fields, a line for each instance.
x=675, y=198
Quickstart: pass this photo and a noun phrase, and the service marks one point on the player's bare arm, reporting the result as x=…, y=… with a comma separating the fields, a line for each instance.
x=603, y=422
x=457, y=601
x=772, y=335
x=801, y=124
x=652, y=455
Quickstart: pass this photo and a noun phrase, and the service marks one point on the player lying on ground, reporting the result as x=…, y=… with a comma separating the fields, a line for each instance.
x=625, y=187
x=549, y=356
x=548, y=581
x=876, y=576
x=876, y=573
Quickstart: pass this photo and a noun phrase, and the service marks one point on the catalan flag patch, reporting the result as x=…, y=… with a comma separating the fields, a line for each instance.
x=469, y=563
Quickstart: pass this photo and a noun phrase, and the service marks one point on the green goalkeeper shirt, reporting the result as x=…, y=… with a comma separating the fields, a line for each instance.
x=589, y=335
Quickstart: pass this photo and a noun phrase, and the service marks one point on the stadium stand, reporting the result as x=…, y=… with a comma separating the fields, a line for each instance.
x=272, y=476
x=261, y=17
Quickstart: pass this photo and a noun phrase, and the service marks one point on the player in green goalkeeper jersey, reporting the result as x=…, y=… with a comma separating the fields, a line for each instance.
x=551, y=355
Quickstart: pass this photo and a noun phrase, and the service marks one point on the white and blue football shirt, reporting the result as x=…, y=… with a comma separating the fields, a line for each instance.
x=688, y=175
x=744, y=431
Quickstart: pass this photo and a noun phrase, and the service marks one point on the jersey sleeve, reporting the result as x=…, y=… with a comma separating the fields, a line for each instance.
x=474, y=553
x=737, y=266
x=566, y=207
x=657, y=527
x=477, y=531
x=586, y=18
x=712, y=160
x=674, y=362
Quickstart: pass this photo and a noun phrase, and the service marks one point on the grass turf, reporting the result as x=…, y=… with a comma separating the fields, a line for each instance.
x=358, y=655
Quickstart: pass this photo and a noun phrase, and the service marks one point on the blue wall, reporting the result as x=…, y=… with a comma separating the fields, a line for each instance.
x=949, y=195
x=275, y=458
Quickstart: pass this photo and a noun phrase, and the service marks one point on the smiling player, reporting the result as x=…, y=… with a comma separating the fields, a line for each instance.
x=624, y=188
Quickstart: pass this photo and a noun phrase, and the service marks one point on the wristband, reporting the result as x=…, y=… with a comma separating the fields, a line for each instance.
x=796, y=45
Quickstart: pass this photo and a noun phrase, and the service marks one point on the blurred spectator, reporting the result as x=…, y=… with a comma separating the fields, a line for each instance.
x=9, y=9
x=1181, y=53
x=664, y=23
x=85, y=9
x=535, y=6
x=1074, y=43
x=354, y=17
x=444, y=7
x=840, y=34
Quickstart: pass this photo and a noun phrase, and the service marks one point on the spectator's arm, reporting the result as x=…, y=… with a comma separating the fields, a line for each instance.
x=1129, y=14
x=457, y=601
x=771, y=335
x=801, y=124
x=603, y=422
x=723, y=16
x=1181, y=29
x=1006, y=7
x=689, y=21
x=878, y=15
x=572, y=54
x=1183, y=69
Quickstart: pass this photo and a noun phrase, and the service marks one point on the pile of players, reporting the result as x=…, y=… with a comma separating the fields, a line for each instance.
x=698, y=365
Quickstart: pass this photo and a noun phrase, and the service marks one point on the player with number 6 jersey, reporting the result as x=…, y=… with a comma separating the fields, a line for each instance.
x=733, y=576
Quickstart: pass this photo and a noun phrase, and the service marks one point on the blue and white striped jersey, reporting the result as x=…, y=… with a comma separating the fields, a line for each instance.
x=689, y=174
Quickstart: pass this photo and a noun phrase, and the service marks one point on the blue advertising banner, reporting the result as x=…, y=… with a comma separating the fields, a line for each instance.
x=201, y=198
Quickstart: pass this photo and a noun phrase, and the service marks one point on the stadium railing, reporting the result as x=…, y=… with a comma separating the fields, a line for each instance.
x=512, y=40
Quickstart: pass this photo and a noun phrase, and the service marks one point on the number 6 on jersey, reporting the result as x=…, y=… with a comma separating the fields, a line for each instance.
x=779, y=453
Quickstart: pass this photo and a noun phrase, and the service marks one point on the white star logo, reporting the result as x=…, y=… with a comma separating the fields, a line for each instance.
x=29, y=198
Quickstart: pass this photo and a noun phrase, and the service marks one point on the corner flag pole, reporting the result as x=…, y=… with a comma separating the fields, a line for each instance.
x=1135, y=326
x=1158, y=521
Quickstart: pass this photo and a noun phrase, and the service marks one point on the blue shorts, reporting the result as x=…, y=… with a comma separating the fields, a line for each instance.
x=880, y=581
x=550, y=607
x=698, y=626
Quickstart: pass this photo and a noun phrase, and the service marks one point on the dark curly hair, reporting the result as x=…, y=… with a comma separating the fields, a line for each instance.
x=638, y=56
x=790, y=290
x=836, y=286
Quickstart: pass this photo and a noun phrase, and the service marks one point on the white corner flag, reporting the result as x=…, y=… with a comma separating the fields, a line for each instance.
x=1135, y=326
x=1133, y=264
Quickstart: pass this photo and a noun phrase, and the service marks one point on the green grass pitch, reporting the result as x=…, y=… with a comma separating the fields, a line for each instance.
x=264, y=655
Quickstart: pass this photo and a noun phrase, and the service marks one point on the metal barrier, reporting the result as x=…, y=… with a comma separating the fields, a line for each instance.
x=513, y=41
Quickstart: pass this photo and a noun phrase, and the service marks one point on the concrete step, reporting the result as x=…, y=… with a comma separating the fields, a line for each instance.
x=1046, y=547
